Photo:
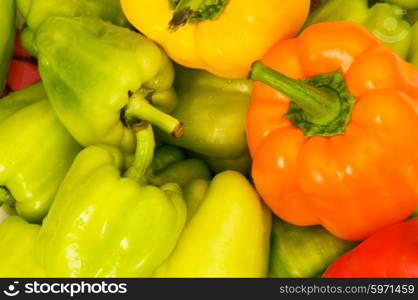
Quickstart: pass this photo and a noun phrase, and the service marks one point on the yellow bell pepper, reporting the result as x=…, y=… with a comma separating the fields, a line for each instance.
x=223, y=37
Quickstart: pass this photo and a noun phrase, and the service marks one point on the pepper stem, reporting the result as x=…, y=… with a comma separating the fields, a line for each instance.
x=193, y=11
x=6, y=196
x=144, y=153
x=320, y=106
x=139, y=109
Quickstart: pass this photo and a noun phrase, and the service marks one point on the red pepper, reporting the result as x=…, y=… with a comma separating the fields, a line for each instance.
x=391, y=252
x=22, y=71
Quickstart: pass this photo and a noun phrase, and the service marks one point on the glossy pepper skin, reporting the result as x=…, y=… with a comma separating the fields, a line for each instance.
x=391, y=252
x=18, y=239
x=227, y=234
x=213, y=110
x=7, y=33
x=104, y=224
x=215, y=41
x=97, y=98
x=360, y=178
x=36, y=11
x=36, y=152
x=303, y=252
x=384, y=20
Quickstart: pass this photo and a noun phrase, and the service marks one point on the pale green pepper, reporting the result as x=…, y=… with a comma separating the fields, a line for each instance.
x=36, y=152
x=227, y=233
x=17, y=242
x=101, y=79
x=107, y=222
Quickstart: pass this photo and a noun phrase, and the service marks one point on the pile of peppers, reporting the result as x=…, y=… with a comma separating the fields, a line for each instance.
x=202, y=138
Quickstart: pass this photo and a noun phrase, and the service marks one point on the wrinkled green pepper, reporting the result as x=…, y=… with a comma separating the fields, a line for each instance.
x=227, y=233
x=107, y=222
x=384, y=20
x=7, y=33
x=36, y=11
x=303, y=252
x=36, y=152
x=17, y=243
x=213, y=110
x=170, y=164
x=97, y=98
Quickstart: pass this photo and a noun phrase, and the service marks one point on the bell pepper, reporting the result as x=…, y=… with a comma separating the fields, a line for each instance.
x=215, y=33
x=36, y=152
x=391, y=252
x=7, y=32
x=213, y=110
x=36, y=11
x=17, y=242
x=241, y=164
x=104, y=224
x=408, y=4
x=22, y=71
x=333, y=142
x=22, y=74
x=171, y=165
x=384, y=20
x=303, y=252
x=413, y=50
x=101, y=78
x=227, y=233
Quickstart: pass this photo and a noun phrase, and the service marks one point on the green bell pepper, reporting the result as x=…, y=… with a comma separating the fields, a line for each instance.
x=384, y=20
x=36, y=11
x=17, y=242
x=214, y=111
x=104, y=225
x=408, y=4
x=227, y=233
x=218, y=165
x=36, y=152
x=413, y=50
x=171, y=165
x=303, y=252
x=7, y=35
x=102, y=78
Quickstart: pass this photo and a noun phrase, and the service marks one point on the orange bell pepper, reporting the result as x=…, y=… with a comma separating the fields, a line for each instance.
x=343, y=152
x=225, y=37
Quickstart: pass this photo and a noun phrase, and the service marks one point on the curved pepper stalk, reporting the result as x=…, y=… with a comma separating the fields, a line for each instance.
x=103, y=224
x=101, y=79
